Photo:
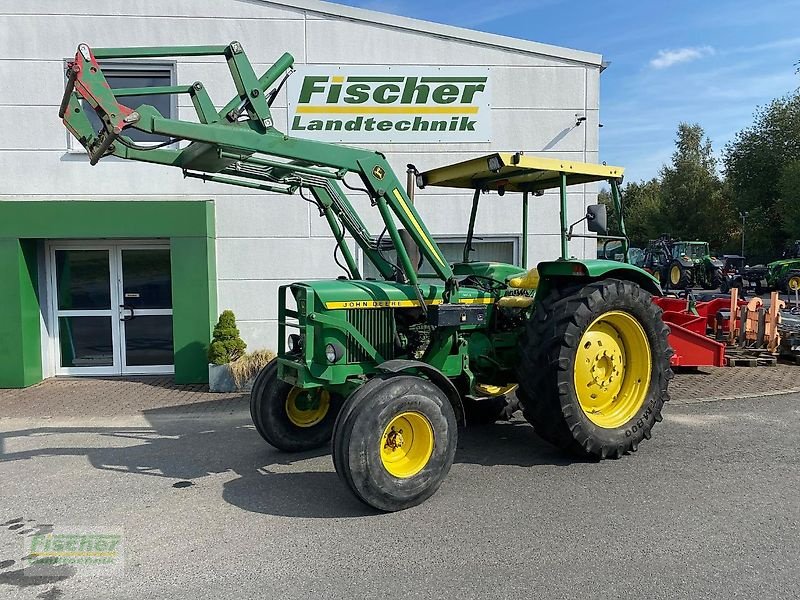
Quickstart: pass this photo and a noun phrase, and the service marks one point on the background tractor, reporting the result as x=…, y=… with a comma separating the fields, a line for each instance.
x=782, y=275
x=657, y=258
x=680, y=264
x=381, y=368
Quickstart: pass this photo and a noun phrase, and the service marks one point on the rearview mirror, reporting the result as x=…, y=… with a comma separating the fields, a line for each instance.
x=597, y=219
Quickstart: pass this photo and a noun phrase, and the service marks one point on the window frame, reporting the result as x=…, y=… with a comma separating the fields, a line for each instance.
x=462, y=239
x=168, y=66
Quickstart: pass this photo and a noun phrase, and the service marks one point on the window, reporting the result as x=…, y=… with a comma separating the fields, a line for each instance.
x=137, y=74
x=487, y=248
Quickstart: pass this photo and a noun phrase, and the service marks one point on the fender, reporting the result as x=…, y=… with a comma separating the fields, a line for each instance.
x=592, y=269
x=435, y=375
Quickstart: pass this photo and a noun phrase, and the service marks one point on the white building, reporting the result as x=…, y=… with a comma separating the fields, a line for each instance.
x=59, y=230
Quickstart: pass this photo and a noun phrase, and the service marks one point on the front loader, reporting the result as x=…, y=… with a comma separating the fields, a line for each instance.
x=381, y=368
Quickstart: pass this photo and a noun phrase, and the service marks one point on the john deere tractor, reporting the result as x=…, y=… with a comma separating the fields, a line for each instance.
x=782, y=275
x=692, y=265
x=381, y=369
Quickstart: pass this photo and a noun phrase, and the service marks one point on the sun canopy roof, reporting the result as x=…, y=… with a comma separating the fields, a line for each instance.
x=516, y=173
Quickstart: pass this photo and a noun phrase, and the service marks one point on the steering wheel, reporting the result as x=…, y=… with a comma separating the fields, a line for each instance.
x=495, y=285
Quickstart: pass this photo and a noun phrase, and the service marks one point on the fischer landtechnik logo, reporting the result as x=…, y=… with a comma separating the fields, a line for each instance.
x=391, y=104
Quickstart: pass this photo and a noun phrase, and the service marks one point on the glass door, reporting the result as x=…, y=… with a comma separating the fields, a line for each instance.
x=112, y=305
x=145, y=292
x=85, y=313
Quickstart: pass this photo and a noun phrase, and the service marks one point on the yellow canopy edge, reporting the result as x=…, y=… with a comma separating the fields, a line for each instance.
x=516, y=173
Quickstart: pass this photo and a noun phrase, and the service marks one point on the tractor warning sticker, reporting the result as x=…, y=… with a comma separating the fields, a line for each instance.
x=390, y=104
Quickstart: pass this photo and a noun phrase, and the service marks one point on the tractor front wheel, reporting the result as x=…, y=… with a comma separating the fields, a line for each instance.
x=792, y=283
x=594, y=368
x=394, y=441
x=715, y=280
x=290, y=418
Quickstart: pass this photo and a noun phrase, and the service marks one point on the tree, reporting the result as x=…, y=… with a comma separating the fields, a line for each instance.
x=762, y=180
x=643, y=211
x=693, y=203
x=788, y=204
x=226, y=345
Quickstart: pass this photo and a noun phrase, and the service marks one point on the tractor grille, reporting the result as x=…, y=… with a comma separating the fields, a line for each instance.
x=377, y=326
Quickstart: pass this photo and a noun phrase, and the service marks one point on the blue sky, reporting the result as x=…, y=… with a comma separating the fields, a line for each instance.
x=706, y=61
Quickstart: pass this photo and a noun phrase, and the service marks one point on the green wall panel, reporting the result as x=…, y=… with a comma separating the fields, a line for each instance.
x=194, y=298
x=100, y=218
x=20, y=341
x=189, y=225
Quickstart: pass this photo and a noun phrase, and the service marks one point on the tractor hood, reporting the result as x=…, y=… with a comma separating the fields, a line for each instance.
x=784, y=262
x=348, y=294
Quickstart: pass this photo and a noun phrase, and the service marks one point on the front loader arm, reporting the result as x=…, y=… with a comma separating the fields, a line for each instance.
x=238, y=145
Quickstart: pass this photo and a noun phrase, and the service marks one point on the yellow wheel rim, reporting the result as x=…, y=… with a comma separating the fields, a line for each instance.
x=306, y=408
x=675, y=275
x=612, y=369
x=794, y=283
x=406, y=444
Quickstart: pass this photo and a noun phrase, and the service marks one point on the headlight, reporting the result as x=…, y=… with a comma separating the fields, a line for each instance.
x=333, y=353
x=494, y=163
x=294, y=343
x=420, y=182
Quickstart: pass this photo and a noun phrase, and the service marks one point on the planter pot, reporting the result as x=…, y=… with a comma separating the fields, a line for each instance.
x=220, y=379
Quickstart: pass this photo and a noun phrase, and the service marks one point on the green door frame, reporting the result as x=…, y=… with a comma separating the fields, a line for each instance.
x=189, y=226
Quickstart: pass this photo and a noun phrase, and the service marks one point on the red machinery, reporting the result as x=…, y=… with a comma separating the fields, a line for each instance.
x=688, y=323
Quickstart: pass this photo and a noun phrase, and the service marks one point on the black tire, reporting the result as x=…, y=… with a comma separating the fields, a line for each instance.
x=548, y=352
x=713, y=279
x=681, y=282
x=358, y=439
x=268, y=411
x=719, y=280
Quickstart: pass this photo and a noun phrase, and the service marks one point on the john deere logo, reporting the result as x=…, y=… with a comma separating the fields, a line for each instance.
x=389, y=104
x=378, y=172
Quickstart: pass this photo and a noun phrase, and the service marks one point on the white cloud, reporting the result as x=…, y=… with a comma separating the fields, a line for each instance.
x=668, y=58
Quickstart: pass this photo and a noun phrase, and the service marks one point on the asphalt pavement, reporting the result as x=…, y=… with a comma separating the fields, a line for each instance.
x=706, y=509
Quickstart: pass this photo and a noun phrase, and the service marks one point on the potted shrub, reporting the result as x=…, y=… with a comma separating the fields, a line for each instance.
x=226, y=347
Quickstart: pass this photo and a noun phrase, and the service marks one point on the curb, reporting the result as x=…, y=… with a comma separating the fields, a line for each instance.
x=737, y=397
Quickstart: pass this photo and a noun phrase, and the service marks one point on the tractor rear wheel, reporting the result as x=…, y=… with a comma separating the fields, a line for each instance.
x=594, y=368
x=678, y=276
x=394, y=441
x=290, y=418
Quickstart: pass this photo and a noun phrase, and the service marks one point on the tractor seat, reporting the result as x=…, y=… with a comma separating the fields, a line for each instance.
x=529, y=281
x=515, y=301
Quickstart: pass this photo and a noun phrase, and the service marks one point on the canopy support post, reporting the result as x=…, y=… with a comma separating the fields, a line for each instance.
x=563, y=215
x=524, y=262
x=471, y=231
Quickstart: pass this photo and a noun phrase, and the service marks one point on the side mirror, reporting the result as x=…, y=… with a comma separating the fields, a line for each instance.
x=597, y=219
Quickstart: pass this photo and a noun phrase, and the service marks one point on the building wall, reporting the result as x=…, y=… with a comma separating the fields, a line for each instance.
x=266, y=240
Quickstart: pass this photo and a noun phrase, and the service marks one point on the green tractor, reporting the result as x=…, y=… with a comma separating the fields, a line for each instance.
x=382, y=369
x=782, y=275
x=692, y=265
